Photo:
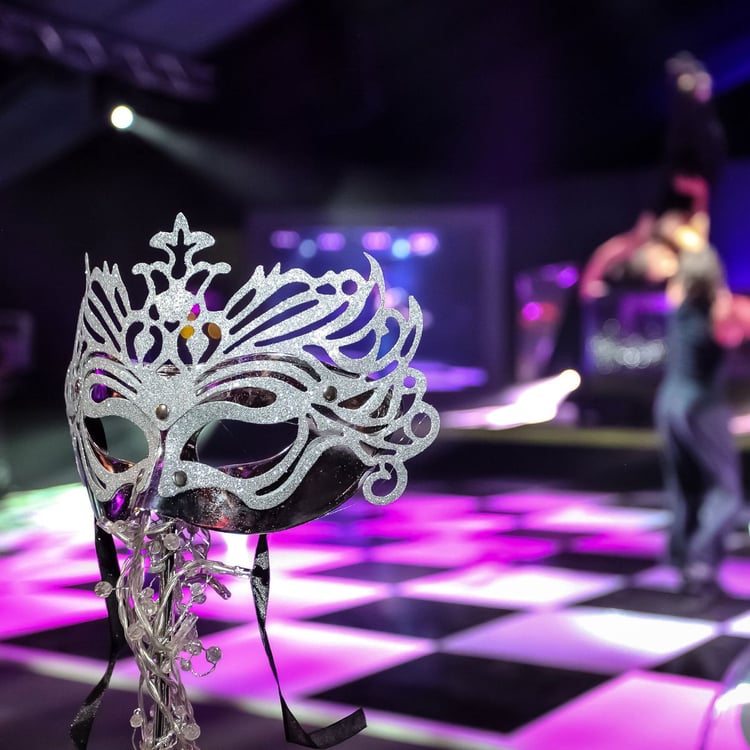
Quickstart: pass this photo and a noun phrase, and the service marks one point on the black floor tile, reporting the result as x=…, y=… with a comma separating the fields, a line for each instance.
x=552, y=535
x=416, y=617
x=38, y=710
x=708, y=661
x=358, y=540
x=599, y=563
x=487, y=505
x=380, y=571
x=651, y=499
x=670, y=603
x=467, y=691
x=91, y=638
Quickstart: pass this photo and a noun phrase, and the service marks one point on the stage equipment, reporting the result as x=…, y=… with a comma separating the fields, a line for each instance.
x=24, y=33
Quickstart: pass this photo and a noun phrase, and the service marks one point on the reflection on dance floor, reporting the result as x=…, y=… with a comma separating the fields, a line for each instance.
x=524, y=617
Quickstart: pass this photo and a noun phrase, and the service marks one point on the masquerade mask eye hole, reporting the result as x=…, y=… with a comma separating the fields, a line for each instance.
x=120, y=443
x=101, y=392
x=229, y=442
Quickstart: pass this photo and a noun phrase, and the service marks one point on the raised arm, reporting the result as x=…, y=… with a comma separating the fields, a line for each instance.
x=614, y=251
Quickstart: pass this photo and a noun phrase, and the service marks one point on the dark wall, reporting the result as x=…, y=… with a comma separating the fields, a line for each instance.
x=110, y=196
x=107, y=200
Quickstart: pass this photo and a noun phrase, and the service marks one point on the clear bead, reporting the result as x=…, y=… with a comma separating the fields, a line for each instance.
x=103, y=589
x=146, y=593
x=213, y=655
x=191, y=731
x=172, y=541
x=194, y=648
x=186, y=665
x=136, y=631
x=136, y=720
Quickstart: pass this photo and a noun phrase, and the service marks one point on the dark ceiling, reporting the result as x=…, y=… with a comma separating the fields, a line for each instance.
x=476, y=94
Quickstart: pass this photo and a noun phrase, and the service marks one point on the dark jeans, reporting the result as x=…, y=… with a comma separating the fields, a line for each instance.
x=702, y=474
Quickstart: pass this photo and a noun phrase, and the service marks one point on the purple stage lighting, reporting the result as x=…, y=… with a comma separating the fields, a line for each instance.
x=531, y=311
x=423, y=243
x=376, y=241
x=284, y=239
x=331, y=241
x=567, y=277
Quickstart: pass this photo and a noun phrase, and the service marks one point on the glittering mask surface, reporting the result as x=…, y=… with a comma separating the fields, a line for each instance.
x=322, y=353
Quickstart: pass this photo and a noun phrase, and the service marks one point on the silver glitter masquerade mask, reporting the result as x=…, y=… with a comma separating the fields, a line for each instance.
x=323, y=352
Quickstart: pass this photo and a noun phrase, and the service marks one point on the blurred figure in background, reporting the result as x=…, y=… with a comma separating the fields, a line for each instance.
x=695, y=144
x=699, y=457
x=694, y=154
x=647, y=254
x=668, y=248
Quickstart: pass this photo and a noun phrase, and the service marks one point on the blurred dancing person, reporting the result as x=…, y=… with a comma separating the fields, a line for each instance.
x=695, y=143
x=699, y=457
x=693, y=157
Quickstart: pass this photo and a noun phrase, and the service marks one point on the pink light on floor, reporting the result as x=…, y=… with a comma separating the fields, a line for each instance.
x=30, y=612
x=647, y=544
x=542, y=499
x=432, y=552
x=296, y=558
x=590, y=518
x=416, y=506
x=734, y=576
x=586, y=638
x=476, y=525
x=635, y=711
x=309, y=657
x=292, y=596
x=519, y=548
x=528, y=587
x=661, y=577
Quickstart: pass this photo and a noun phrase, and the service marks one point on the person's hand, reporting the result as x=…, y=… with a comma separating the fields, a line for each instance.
x=591, y=289
x=731, y=318
x=691, y=185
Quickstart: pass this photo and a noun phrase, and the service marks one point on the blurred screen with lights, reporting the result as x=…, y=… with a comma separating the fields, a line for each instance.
x=625, y=333
x=450, y=260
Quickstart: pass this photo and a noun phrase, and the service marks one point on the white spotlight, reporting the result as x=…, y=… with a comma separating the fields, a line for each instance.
x=121, y=117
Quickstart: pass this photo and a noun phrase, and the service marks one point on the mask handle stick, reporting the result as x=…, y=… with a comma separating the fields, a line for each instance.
x=163, y=626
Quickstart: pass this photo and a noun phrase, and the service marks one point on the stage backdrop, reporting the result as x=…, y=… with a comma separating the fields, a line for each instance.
x=451, y=259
